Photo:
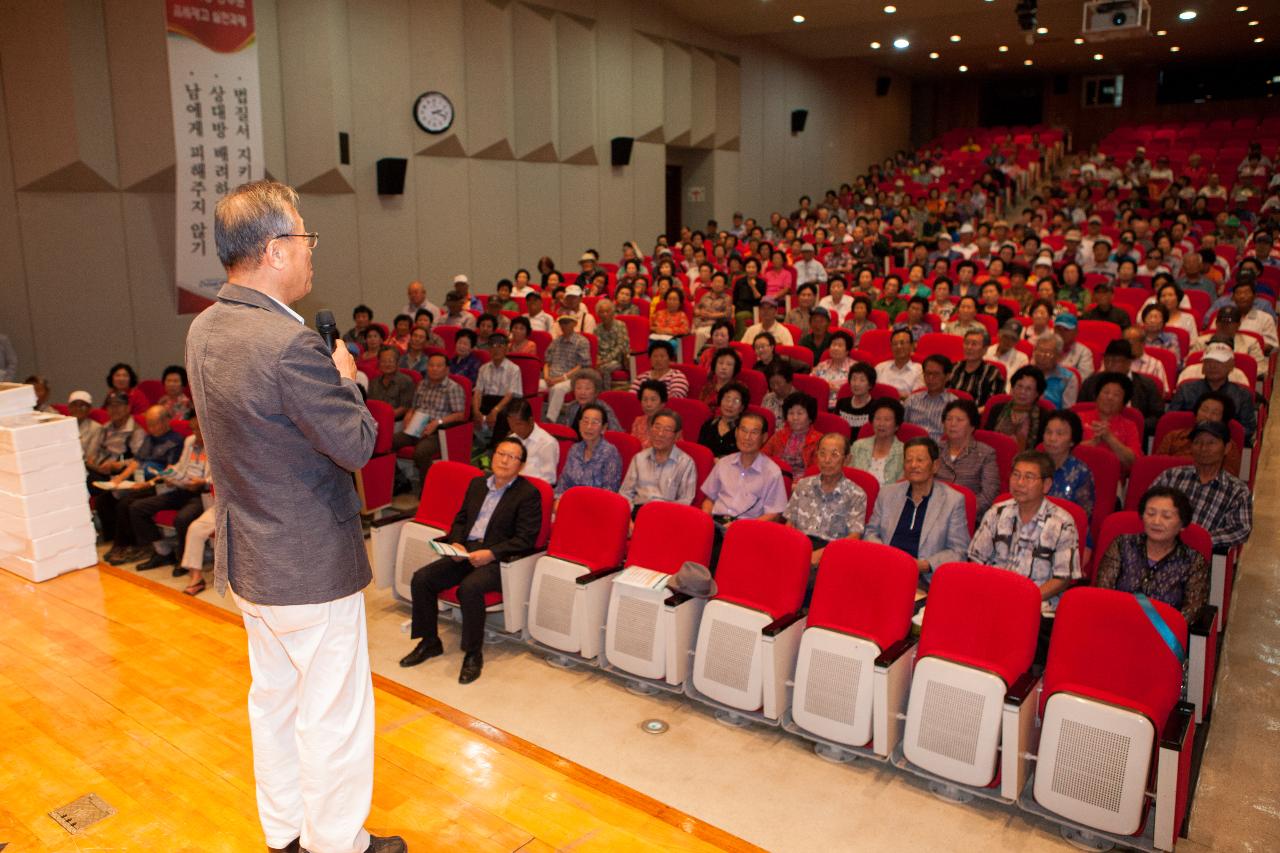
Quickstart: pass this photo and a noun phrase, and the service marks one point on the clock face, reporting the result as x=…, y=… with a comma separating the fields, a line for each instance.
x=433, y=112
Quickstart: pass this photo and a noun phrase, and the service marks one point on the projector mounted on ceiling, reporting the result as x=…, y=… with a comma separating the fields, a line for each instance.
x=1105, y=20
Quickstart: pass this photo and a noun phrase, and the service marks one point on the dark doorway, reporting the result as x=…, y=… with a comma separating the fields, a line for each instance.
x=1006, y=102
x=675, y=217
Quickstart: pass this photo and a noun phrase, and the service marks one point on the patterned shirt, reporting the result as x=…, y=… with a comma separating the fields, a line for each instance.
x=1180, y=579
x=603, y=470
x=674, y=479
x=439, y=400
x=500, y=380
x=565, y=353
x=468, y=366
x=974, y=468
x=114, y=443
x=677, y=383
x=1061, y=388
x=614, y=347
x=1073, y=481
x=1044, y=548
x=835, y=375
x=396, y=389
x=925, y=410
x=569, y=415
x=711, y=307
x=837, y=514
x=1223, y=506
x=981, y=384
x=1079, y=357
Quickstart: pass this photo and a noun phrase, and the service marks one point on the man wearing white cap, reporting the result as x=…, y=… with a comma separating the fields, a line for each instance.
x=1216, y=374
x=573, y=307
x=807, y=269
x=462, y=284
x=587, y=265
x=78, y=406
x=966, y=248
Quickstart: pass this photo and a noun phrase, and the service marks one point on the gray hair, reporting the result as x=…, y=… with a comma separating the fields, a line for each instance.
x=249, y=217
x=592, y=374
x=673, y=415
x=1051, y=338
x=982, y=333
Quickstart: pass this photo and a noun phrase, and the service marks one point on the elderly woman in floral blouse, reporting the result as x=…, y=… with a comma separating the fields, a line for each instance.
x=834, y=369
x=592, y=461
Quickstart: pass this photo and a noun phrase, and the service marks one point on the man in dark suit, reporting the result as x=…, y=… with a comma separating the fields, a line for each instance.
x=285, y=426
x=500, y=519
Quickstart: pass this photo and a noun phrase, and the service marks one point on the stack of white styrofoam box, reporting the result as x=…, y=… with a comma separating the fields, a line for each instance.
x=45, y=525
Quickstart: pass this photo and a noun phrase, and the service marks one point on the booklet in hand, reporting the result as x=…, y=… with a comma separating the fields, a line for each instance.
x=444, y=549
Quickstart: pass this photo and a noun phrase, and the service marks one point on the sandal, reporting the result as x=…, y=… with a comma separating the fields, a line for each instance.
x=195, y=588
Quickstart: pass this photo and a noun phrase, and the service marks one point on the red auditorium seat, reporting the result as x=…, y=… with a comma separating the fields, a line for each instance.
x=815, y=387
x=1143, y=474
x=693, y=414
x=375, y=481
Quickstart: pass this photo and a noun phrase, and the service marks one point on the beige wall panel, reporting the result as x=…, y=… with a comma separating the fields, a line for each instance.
x=443, y=198
x=702, y=130
x=647, y=88
x=77, y=283
x=15, y=310
x=588, y=215
x=538, y=212
x=494, y=222
x=488, y=103
x=751, y=141
x=138, y=59
x=614, y=73
x=575, y=47
x=725, y=174
x=677, y=88
x=728, y=108
x=160, y=336
x=535, y=102
x=316, y=80
x=267, y=35
x=436, y=63
x=649, y=162
x=335, y=282
x=617, y=200
x=56, y=85
x=382, y=127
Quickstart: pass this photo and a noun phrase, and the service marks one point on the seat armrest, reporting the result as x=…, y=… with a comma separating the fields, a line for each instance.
x=1021, y=689
x=1203, y=623
x=895, y=651
x=782, y=623
x=592, y=577
x=406, y=515
x=676, y=599
x=1176, y=727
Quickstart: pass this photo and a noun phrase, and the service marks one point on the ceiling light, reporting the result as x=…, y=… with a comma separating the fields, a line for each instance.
x=1027, y=62
x=1258, y=40
x=963, y=68
x=1079, y=41
x=1162, y=32
x=797, y=19
x=1174, y=49
x=901, y=43
x=933, y=54
x=1097, y=57
x=1242, y=8
x=1043, y=31
x=875, y=45
x=1004, y=48
x=1187, y=15
x=1253, y=23
x=889, y=10
x=955, y=38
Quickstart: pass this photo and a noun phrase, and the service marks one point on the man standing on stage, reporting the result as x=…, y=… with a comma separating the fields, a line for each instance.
x=285, y=426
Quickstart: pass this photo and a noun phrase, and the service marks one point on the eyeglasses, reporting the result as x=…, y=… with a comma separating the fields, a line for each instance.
x=514, y=457
x=313, y=238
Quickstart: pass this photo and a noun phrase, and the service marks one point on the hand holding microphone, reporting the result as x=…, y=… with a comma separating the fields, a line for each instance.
x=328, y=329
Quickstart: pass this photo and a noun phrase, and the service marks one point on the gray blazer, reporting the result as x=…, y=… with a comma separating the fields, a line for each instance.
x=945, y=535
x=283, y=431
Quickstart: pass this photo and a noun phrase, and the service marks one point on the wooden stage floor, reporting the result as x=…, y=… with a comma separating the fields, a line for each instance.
x=119, y=687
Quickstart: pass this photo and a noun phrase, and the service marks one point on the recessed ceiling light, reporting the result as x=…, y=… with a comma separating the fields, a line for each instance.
x=933, y=54
x=901, y=43
x=1242, y=8
x=1097, y=57
x=1162, y=32
x=889, y=10
x=1079, y=41
x=875, y=45
x=797, y=19
x=1027, y=62
x=1187, y=15
x=1043, y=31
x=963, y=68
x=1174, y=49
x=1258, y=40
x=1004, y=48
x=955, y=38
x=1253, y=23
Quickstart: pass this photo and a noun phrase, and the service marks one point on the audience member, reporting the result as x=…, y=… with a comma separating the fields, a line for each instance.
x=1072, y=479
x=974, y=375
x=465, y=362
x=856, y=408
x=182, y=490
x=662, y=471
x=417, y=296
x=613, y=351
x=964, y=460
x=834, y=369
x=566, y=357
x=653, y=399
x=1212, y=406
x=726, y=364
x=660, y=358
x=1227, y=322
x=539, y=320
x=827, y=506
x=456, y=313
x=79, y=404
x=592, y=460
x=796, y=441
x=719, y=434
x=1005, y=349
x=744, y=484
x=361, y=316
x=542, y=450
x=199, y=532
x=1075, y=355
x=1146, y=397
x=900, y=371
x=1219, y=361
x=438, y=403
x=925, y=408
x=500, y=518
x=1021, y=417
x=497, y=384
x=1221, y=503
x=123, y=378
x=587, y=385
x=770, y=323
x=159, y=449
x=1062, y=386
x=880, y=454
x=391, y=386
x=415, y=357
x=778, y=375
x=1106, y=426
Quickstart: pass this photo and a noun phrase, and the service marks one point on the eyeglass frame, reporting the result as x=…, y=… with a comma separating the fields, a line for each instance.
x=313, y=236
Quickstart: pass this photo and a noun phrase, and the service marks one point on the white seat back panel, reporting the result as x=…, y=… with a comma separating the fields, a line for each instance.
x=413, y=553
x=953, y=721
x=833, y=690
x=727, y=662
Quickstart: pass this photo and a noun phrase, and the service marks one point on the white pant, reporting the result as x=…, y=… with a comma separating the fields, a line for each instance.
x=555, y=399
x=199, y=533
x=311, y=717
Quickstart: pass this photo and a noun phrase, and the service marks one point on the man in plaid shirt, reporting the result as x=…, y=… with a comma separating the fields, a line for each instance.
x=1220, y=502
x=439, y=402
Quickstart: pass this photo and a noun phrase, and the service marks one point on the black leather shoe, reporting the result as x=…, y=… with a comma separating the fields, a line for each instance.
x=178, y=571
x=386, y=844
x=472, y=663
x=158, y=560
x=292, y=847
x=425, y=650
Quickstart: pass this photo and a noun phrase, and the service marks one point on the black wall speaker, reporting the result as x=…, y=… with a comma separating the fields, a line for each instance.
x=621, y=150
x=1060, y=84
x=391, y=175
x=798, y=118
x=344, y=148
x=882, y=86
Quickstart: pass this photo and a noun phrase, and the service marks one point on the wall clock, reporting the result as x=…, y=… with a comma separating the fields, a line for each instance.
x=433, y=111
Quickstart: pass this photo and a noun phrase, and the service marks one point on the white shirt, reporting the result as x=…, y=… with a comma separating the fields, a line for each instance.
x=1196, y=371
x=1151, y=366
x=412, y=310
x=294, y=314
x=544, y=455
x=543, y=322
x=1079, y=357
x=781, y=334
x=1014, y=360
x=1263, y=323
x=586, y=323
x=838, y=309
x=807, y=271
x=906, y=379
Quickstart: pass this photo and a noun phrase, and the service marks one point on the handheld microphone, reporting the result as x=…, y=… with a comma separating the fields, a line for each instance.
x=327, y=327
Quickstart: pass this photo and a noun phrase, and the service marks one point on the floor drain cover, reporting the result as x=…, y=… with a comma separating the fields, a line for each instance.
x=78, y=815
x=654, y=727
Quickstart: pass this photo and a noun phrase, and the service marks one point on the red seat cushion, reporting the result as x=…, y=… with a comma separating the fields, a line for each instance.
x=451, y=595
x=166, y=517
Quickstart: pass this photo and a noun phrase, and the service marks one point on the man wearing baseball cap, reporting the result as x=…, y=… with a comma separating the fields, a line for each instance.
x=808, y=269
x=1227, y=322
x=456, y=314
x=769, y=323
x=575, y=309
x=79, y=403
x=1074, y=354
x=1214, y=375
x=1220, y=503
